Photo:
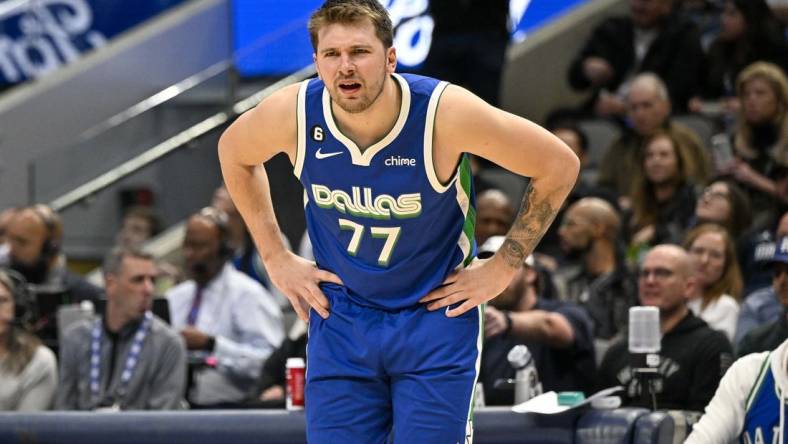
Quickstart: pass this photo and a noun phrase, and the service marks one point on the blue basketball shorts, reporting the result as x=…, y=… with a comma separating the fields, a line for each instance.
x=378, y=376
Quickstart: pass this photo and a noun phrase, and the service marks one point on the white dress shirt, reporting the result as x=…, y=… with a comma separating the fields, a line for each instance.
x=247, y=324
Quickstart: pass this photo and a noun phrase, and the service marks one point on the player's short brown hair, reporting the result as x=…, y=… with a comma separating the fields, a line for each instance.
x=352, y=12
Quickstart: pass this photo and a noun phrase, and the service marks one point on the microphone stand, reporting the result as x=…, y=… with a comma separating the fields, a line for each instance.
x=645, y=366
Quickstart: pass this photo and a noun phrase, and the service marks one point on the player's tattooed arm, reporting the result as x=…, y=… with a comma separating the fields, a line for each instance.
x=536, y=213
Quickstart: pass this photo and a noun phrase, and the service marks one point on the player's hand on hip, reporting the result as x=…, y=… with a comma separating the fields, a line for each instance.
x=299, y=280
x=474, y=285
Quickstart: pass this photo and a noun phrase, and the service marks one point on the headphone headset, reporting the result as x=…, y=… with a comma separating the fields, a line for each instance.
x=221, y=221
x=17, y=285
x=51, y=247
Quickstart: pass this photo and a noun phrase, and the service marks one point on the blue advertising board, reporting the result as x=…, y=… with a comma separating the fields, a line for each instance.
x=40, y=36
x=271, y=36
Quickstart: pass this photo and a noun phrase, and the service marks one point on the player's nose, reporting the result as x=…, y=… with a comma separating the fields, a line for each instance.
x=346, y=64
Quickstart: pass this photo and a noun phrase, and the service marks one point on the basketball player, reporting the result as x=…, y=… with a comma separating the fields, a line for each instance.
x=394, y=299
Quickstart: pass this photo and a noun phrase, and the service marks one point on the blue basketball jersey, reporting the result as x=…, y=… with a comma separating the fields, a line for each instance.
x=380, y=219
x=762, y=417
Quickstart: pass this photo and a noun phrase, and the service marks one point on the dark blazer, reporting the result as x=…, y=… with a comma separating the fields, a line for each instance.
x=675, y=55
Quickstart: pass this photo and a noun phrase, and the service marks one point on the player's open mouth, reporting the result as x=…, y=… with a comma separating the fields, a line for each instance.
x=350, y=87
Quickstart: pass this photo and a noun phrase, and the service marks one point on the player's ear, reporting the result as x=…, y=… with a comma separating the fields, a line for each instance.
x=391, y=60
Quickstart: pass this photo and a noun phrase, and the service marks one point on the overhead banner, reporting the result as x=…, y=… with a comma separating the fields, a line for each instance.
x=40, y=36
x=271, y=36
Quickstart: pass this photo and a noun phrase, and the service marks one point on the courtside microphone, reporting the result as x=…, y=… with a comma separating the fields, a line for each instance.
x=644, y=348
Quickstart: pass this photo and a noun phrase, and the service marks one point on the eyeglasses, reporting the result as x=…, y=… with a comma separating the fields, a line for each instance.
x=658, y=273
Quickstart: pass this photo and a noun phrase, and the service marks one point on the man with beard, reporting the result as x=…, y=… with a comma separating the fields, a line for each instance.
x=222, y=314
x=34, y=235
x=693, y=356
x=558, y=335
x=599, y=279
x=389, y=206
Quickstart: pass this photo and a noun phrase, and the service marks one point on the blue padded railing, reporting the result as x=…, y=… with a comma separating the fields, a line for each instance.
x=493, y=425
x=608, y=426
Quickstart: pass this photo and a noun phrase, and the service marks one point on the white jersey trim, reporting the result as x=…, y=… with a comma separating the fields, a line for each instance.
x=302, y=129
x=429, y=134
x=356, y=156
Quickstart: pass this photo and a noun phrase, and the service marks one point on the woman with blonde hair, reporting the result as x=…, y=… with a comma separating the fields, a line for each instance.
x=761, y=139
x=28, y=370
x=718, y=277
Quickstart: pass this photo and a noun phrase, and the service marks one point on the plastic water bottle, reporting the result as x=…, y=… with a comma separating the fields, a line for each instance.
x=527, y=383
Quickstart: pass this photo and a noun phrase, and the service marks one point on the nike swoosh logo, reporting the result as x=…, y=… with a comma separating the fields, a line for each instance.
x=321, y=155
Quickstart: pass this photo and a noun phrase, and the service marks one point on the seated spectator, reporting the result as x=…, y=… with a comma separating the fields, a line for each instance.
x=763, y=320
x=715, y=299
x=650, y=39
x=28, y=370
x=245, y=256
x=138, y=225
x=600, y=282
x=648, y=109
x=749, y=404
x=663, y=200
x=127, y=358
x=558, y=335
x=760, y=143
x=723, y=203
x=35, y=235
x=222, y=313
x=494, y=215
x=693, y=356
x=749, y=33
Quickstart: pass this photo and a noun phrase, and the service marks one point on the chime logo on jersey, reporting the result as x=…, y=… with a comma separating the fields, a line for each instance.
x=362, y=202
